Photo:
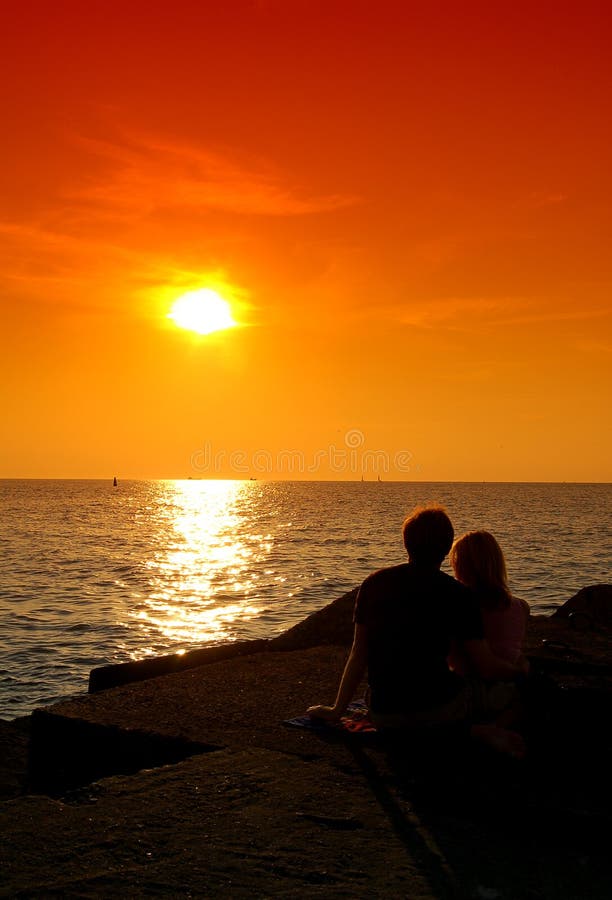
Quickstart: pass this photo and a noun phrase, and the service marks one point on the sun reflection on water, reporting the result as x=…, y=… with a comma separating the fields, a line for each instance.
x=201, y=578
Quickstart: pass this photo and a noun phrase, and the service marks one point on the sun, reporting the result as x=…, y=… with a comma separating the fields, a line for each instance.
x=202, y=311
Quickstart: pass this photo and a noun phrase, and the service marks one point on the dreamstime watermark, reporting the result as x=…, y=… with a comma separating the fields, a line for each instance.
x=353, y=458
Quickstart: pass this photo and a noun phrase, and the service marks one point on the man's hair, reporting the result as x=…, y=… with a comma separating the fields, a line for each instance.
x=428, y=535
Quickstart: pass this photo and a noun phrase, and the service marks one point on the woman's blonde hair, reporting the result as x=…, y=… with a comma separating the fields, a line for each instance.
x=479, y=563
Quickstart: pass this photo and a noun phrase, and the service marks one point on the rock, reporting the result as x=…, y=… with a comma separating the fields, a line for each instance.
x=590, y=608
x=331, y=625
x=14, y=739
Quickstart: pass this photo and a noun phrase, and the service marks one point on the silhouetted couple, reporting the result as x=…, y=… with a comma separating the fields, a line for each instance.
x=439, y=650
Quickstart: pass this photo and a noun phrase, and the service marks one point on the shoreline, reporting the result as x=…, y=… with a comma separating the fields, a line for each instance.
x=189, y=778
x=171, y=661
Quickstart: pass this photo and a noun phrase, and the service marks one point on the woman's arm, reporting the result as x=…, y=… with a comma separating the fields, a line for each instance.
x=354, y=671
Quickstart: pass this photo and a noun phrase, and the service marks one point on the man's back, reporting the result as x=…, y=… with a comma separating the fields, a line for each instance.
x=412, y=613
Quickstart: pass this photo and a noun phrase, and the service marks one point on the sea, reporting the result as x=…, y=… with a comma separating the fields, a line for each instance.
x=92, y=573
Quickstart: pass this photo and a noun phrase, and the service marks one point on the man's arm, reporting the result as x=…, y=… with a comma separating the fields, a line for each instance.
x=483, y=662
x=354, y=671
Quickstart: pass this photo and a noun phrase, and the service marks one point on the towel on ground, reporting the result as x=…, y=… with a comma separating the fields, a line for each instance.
x=356, y=720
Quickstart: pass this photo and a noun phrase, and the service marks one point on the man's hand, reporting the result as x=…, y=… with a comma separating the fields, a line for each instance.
x=328, y=713
x=353, y=672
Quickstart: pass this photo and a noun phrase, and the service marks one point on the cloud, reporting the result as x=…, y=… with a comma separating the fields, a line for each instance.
x=481, y=313
x=149, y=175
x=594, y=346
x=541, y=199
x=46, y=267
x=450, y=312
x=126, y=220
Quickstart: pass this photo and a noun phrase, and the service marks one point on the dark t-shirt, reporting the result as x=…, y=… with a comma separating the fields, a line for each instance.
x=412, y=614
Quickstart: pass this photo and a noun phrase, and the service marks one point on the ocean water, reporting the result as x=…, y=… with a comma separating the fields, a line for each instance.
x=92, y=574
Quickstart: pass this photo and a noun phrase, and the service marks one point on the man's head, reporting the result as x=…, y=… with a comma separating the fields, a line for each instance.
x=428, y=535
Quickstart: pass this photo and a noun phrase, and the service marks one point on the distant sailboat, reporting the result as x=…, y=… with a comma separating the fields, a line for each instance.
x=115, y=481
x=379, y=478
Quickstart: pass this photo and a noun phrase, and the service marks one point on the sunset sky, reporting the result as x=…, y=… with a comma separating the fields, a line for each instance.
x=407, y=205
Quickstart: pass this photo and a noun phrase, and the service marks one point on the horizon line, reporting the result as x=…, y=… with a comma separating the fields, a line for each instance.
x=371, y=480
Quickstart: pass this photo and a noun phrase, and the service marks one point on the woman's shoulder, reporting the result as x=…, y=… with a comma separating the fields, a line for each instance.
x=515, y=608
x=518, y=603
x=523, y=605
x=518, y=610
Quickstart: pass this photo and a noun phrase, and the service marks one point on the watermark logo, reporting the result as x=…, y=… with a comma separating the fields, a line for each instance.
x=350, y=457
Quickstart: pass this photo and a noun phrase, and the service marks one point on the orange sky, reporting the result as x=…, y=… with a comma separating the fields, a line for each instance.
x=408, y=205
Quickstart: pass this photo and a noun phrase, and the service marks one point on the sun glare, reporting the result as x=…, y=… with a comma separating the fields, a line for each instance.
x=202, y=311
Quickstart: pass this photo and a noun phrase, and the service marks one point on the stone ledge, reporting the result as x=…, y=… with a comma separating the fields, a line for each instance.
x=239, y=823
x=106, y=677
x=235, y=702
